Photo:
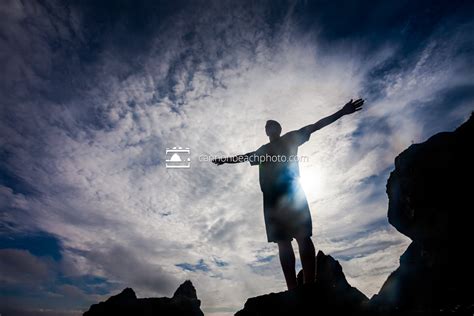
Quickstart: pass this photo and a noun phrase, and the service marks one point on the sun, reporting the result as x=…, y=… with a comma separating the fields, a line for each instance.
x=311, y=180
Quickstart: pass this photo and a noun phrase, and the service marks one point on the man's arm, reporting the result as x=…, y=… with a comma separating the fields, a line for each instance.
x=349, y=108
x=234, y=159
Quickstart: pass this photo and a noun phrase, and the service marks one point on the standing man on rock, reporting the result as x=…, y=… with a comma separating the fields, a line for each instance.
x=285, y=208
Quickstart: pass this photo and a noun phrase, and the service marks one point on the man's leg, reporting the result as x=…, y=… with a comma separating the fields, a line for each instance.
x=287, y=260
x=308, y=258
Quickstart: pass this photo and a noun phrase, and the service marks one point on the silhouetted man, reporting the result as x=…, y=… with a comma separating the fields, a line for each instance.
x=285, y=208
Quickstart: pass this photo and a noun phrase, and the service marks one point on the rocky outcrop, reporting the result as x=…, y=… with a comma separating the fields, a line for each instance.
x=185, y=291
x=184, y=302
x=330, y=293
x=430, y=201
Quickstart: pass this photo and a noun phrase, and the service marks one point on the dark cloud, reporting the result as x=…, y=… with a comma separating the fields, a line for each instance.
x=21, y=267
x=32, y=272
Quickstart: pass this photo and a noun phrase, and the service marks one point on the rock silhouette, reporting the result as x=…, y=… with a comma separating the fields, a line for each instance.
x=429, y=201
x=330, y=293
x=430, y=194
x=183, y=303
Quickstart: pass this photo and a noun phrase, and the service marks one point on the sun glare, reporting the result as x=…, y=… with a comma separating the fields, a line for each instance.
x=312, y=179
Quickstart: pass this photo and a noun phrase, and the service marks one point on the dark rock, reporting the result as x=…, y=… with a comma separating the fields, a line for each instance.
x=128, y=294
x=429, y=190
x=184, y=302
x=430, y=201
x=330, y=293
x=186, y=290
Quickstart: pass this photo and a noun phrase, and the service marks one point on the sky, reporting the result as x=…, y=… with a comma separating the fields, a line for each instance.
x=94, y=92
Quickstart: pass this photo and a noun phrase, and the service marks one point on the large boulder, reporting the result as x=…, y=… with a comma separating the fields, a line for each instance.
x=430, y=201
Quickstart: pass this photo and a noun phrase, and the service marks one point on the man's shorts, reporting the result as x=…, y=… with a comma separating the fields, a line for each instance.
x=286, y=213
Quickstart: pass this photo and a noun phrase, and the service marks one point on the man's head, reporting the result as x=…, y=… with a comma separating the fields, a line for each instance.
x=273, y=129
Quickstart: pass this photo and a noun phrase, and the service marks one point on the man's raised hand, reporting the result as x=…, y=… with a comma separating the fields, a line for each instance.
x=352, y=106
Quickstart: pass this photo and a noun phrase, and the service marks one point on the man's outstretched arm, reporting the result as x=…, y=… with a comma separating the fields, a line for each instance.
x=349, y=108
x=234, y=159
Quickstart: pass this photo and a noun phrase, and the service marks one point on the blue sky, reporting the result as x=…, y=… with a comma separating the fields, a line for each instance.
x=94, y=92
